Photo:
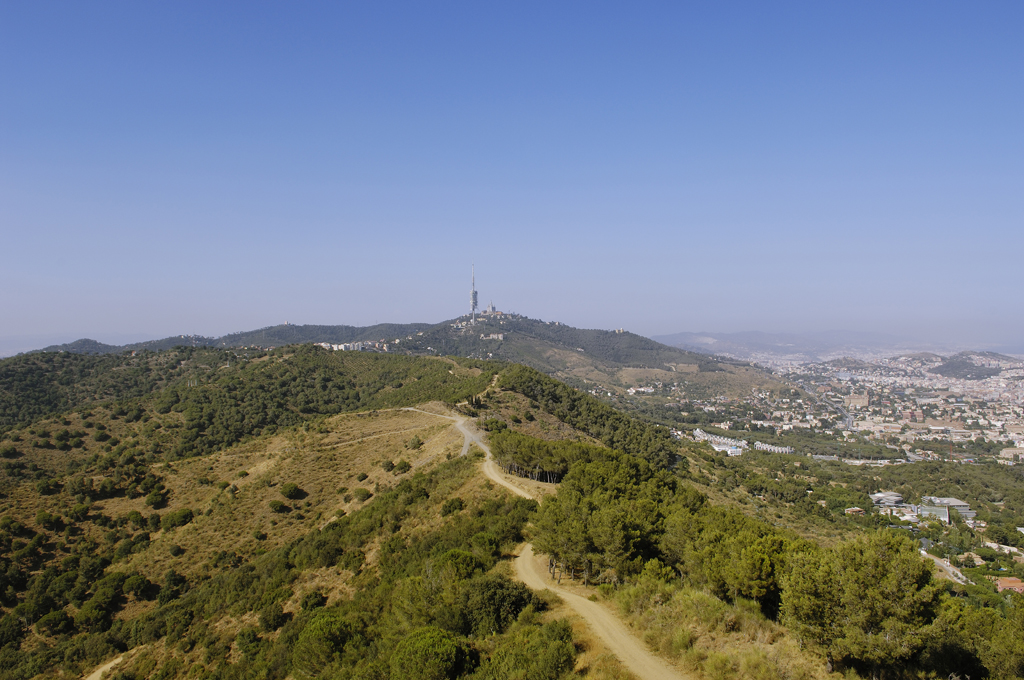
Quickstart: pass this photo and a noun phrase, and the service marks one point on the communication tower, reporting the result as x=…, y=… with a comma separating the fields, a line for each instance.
x=472, y=296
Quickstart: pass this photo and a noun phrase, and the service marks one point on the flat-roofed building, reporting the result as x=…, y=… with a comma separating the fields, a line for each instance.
x=953, y=503
x=887, y=498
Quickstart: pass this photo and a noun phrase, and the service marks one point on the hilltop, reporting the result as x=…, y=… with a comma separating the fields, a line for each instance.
x=604, y=363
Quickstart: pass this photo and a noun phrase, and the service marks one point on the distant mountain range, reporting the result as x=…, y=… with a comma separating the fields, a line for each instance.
x=810, y=347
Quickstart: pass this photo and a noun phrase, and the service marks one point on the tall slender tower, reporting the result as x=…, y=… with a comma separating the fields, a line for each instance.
x=472, y=296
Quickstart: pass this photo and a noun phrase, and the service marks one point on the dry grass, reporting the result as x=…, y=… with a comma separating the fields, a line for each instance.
x=323, y=463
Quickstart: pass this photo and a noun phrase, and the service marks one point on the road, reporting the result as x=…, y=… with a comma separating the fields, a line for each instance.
x=952, y=573
x=616, y=636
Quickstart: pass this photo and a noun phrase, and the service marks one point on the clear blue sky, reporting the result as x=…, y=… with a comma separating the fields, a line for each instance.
x=210, y=167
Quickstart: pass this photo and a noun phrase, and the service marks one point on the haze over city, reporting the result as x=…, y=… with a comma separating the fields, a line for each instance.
x=190, y=168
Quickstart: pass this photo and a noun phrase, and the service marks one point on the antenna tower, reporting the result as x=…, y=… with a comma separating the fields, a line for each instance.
x=472, y=296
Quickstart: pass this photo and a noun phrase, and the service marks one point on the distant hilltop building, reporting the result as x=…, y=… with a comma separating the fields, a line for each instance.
x=491, y=312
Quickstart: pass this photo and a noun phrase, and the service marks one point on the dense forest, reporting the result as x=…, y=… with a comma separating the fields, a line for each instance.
x=545, y=461
x=228, y=394
x=869, y=603
x=597, y=419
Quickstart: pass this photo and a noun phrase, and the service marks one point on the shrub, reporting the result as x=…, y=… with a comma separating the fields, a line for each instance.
x=176, y=550
x=402, y=467
x=415, y=443
x=387, y=465
x=362, y=494
x=462, y=564
x=47, y=487
x=55, y=623
x=361, y=476
x=79, y=512
x=157, y=498
x=278, y=506
x=272, y=617
x=494, y=602
x=175, y=585
x=45, y=519
x=451, y=505
x=313, y=600
x=9, y=451
x=137, y=585
x=178, y=518
x=248, y=641
x=493, y=425
x=292, y=491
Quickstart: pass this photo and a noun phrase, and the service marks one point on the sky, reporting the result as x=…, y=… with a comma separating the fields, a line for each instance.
x=196, y=167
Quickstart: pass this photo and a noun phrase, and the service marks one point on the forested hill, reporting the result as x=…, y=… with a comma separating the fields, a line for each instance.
x=272, y=336
x=608, y=362
x=613, y=360
x=253, y=388
x=534, y=342
x=621, y=348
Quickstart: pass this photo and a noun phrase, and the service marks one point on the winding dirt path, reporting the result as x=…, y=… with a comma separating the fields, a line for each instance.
x=616, y=635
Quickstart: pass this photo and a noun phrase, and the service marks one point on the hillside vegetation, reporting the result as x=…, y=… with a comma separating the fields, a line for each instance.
x=253, y=514
x=234, y=521
x=228, y=394
x=585, y=358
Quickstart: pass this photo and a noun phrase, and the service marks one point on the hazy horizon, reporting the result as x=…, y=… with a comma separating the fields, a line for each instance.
x=196, y=169
x=13, y=345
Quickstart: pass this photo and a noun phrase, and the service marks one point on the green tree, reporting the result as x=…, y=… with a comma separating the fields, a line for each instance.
x=812, y=602
x=320, y=643
x=430, y=653
x=869, y=601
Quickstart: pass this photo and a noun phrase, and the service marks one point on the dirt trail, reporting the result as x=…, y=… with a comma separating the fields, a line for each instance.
x=616, y=636
x=620, y=639
x=98, y=673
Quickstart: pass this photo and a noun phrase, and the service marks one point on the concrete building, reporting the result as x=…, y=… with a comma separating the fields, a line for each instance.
x=953, y=503
x=938, y=512
x=889, y=499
